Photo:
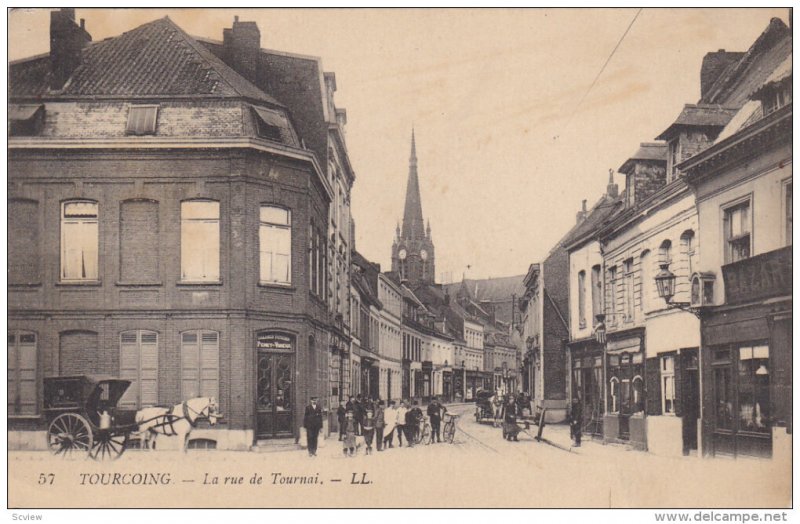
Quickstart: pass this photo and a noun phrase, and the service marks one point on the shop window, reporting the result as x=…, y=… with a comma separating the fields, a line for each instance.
x=738, y=239
x=79, y=241
x=668, y=385
x=138, y=362
x=275, y=245
x=199, y=364
x=22, y=364
x=753, y=388
x=200, y=241
x=637, y=394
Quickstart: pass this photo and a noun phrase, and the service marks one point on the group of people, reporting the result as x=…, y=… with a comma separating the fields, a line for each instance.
x=376, y=421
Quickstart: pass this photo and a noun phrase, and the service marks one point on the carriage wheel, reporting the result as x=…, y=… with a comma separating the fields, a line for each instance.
x=449, y=432
x=108, y=445
x=69, y=435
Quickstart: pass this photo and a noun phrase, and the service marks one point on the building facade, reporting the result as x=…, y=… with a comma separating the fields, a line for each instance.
x=175, y=228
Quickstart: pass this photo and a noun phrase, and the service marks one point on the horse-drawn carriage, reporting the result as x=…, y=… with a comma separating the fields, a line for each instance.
x=83, y=416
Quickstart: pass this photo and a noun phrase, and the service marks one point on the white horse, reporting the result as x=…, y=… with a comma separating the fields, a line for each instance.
x=177, y=421
x=497, y=408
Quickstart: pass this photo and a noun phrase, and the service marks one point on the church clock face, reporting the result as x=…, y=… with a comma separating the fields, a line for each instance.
x=402, y=254
x=423, y=254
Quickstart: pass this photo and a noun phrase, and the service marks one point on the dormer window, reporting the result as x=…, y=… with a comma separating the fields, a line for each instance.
x=674, y=159
x=776, y=98
x=25, y=120
x=142, y=120
x=273, y=125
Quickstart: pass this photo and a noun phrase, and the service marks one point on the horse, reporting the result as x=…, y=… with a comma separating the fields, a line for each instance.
x=176, y=421
x=497, y=407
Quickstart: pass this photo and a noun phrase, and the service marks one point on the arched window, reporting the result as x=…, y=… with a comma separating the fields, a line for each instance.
x=688, y=249
x=138, y=362
x=646, y=280
x=613, y=395
x=200, y=241
x=275, y=245
x=22, y=364
x=665, y=252
x=637, y=394
x=79, y=240
x=597, y=293
x=582, y=299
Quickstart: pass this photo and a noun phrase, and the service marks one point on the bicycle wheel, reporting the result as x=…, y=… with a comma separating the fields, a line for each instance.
x=449, y=432
x=426, y=434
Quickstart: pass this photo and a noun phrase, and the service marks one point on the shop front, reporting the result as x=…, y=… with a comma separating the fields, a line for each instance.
x=427, y=381
x=474, y=382
x=275, y=404
x=587, y=384
x=747, y=351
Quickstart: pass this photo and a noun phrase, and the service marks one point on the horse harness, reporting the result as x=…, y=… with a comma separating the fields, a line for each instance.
x=167, y=425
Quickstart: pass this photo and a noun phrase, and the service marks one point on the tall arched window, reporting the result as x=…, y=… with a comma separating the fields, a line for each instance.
x=597, y=293
x=689, y=249
x=79, y=240
x=665, y=252
x=275, y=245
x=646, y=280
x=200, y=241
x=613, y=395
x=582, y=298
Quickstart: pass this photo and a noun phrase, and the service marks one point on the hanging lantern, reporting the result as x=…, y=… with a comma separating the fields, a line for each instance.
x=665, y=282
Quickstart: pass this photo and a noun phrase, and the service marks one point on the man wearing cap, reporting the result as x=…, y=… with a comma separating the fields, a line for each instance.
x=312, y=421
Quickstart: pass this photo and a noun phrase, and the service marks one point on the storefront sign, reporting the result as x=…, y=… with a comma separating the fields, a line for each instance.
x=759, y=277
x=274, y=341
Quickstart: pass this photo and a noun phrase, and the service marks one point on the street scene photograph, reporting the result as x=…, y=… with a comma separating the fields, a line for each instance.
x=400, y=258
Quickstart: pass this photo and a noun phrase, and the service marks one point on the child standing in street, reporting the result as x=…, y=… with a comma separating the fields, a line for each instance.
x=349, y=442
x=368, y=425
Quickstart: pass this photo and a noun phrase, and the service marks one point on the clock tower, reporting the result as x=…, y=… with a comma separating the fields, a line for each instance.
x=412, y=250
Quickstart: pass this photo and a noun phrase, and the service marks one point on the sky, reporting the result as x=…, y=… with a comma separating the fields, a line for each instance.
x=506, y=152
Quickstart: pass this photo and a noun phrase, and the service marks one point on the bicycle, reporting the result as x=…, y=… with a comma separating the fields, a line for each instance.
x=425, y=432
x=450, y=427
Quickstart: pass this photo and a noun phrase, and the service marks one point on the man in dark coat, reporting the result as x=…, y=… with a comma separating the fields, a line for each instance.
x=340, y=416
x=435, y=415
x=312, y=421
x=575, y=422
x=380, y=423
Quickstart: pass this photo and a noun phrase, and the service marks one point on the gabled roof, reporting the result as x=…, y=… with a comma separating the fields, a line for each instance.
x=648, y=151
x=694, y=115
x=157, y=59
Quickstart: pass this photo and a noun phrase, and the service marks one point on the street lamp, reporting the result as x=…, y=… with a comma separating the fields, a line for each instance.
x=600, y=330
x=665, y=283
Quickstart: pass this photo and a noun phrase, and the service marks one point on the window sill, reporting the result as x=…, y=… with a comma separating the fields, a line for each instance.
x=24, y=417
x=138, y=284
x=190, y=283
x=278, y=286
x=79, y=283
x=29, y=284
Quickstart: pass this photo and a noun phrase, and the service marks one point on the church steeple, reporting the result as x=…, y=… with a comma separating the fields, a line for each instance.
x=412, y=251
x=413, y=226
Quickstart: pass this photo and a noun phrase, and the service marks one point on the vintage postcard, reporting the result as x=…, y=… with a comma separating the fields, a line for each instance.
x=400, y=258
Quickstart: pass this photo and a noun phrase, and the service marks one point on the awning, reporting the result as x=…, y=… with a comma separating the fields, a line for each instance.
x=742, y=330
x=624, y=345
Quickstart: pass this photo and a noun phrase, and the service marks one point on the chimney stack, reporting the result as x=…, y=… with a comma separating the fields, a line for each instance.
x=612, y=190
x=714, y=64
x=581, y=215
x=67, y=40
x=242, y=44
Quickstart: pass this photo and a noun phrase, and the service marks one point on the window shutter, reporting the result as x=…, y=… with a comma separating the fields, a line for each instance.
x=139, y=249
x=653, y=386
x=209, y=362
x=148, y=373
x=129, y=368
x=23, y=242
x=190, y=364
